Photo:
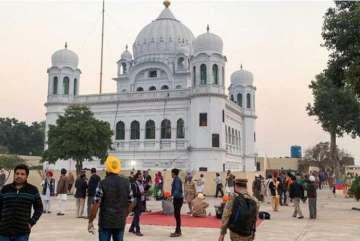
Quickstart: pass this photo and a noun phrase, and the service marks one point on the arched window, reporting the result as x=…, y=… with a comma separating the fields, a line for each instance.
x=150, y=129
x=239, y=99
x=120, y=131
x=232, y=136
x=223, y=76
x=123, y=67
x=180, y=63
x=166, y=129
x=203, y=76
x=178, y=87
x=180, y=129
x=66, y=85
x=75, y=87
x=215, y=70
x=55, y=86
x=229, y=134
x=232, y=97
x=194, y=75
x=226, y=134
x=135, y=130
x=248, y=100
x=164, y=87
x=140, y=89
x=152, y=88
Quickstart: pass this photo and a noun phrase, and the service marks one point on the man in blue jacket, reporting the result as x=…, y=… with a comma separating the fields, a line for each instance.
x=178, y=198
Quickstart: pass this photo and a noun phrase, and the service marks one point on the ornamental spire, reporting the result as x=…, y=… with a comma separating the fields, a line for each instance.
x=66, y=45
x=207, y=28
x=167, y=3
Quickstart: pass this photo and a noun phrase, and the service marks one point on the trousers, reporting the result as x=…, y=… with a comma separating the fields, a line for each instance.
x=106, y=234
x=178, y=202
x=312, y=207
x=297, y=209
x=15, y=238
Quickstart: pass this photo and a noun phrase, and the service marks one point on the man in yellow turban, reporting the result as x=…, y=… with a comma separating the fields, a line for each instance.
x=114, y=200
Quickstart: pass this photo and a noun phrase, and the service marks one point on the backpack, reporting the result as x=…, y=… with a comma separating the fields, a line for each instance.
x=264, y=215
x=244, y=215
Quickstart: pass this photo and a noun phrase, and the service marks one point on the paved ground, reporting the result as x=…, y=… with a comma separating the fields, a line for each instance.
x=336, y=222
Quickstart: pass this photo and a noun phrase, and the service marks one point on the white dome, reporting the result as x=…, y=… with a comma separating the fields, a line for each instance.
x=163, y=36
x=242, y=77
x=65, y=57
x=208, y=42
x=126, y=54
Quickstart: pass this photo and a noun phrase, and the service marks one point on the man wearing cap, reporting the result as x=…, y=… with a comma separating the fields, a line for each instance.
x=240, y=192
x=311, y=194
x=113, y=197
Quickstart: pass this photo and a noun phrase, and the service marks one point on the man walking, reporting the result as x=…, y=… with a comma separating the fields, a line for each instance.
x=92, y=185
x=61, y=191
x=219, y=185
x=80, y=194
x=296, y=194
x=240, y=214
x=229, y=183
x=312, y=195
x=178, y=198
x=16, y=202
x=113, y=198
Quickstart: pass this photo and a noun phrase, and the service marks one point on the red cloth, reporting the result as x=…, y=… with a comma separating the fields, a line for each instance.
x=158, y=219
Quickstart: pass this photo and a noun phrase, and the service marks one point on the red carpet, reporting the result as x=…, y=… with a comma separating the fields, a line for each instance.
x=156, y=218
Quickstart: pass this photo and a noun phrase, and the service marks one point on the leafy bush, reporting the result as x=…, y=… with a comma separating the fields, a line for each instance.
x=355, y=188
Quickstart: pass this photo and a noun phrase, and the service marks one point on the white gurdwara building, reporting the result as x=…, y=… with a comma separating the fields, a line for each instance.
x=170, y=108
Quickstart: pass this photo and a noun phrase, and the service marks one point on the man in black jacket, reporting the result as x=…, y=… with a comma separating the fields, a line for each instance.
x=16, y=201
x=296, y=194
x=93, y=183
x=80, y=194
x=114, y=198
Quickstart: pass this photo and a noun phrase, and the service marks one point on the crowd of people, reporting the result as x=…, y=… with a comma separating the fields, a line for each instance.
x=116, y=197
x=281, y=188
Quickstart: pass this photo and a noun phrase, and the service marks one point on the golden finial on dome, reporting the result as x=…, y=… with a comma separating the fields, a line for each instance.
x=208, y=28
x=66, y=45
x=167, y=3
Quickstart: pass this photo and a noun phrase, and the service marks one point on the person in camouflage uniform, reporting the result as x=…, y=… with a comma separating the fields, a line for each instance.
x=240, y=188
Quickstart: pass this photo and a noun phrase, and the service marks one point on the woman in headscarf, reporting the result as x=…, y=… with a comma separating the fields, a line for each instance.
x=159, y=183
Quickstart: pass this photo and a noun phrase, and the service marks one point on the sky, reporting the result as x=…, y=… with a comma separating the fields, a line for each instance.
x=278, y=41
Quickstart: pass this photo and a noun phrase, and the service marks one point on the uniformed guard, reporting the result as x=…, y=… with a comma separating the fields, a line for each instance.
x=240, y=214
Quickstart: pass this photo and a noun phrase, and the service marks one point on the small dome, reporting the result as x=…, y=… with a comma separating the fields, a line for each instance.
x=65, y=57
x=208, y=42
x=242, y=77
x=126, y=54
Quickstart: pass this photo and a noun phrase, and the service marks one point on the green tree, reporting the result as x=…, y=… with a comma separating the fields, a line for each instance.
x=336, y=109
x=9, y=162
x=79, y=136
x=320, y=155
x=355, y=188
x=17, y=137
x=341, y=33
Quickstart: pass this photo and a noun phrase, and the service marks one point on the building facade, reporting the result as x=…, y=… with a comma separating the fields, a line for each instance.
x=170, y=108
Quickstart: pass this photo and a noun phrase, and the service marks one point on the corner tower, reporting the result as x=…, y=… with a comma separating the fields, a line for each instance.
x=207, y=103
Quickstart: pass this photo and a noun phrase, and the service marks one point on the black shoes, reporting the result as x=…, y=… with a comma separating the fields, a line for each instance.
x=173, y=235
